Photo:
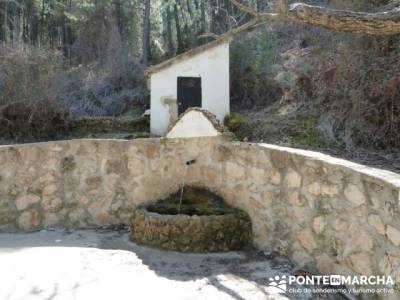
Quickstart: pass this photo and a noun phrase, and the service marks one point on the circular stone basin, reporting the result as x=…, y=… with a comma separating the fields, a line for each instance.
x=204, y=223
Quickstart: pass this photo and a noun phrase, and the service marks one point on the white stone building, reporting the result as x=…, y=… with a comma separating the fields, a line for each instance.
x=197, y=78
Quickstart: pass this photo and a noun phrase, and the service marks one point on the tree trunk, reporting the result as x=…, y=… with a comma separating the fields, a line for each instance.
x=42, y=23
x=146, y=33
x=169, y=33
x=382, y=23
x=33, y=24
x=203, y=16
x=2, y=23
x=178, y=29
x=120, y=18
x=189, y=8
x=213, y=27
x=193, y=21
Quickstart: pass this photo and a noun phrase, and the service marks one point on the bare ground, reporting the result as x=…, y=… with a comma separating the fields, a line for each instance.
x=104, y=264
x=285, y=125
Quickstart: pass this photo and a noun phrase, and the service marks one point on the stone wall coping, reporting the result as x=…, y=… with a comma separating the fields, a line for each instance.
x=380, y=174
x=61, y=142
x=148, y=140
x=375, y=173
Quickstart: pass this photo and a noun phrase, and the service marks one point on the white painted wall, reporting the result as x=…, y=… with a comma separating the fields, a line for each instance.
x=193, y=124
x=213, y=68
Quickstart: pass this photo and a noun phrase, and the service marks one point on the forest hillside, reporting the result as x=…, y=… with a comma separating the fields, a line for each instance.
x=62, y=61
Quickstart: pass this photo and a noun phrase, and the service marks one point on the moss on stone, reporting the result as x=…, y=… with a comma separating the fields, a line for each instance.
x=204, y=224
x=68, y=163
x=194, y=202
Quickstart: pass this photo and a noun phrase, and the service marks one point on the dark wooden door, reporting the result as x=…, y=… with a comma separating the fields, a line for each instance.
x=189, y=93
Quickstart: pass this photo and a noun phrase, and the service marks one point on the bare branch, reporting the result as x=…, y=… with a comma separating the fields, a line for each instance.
x=378, y=23
x=382, y=23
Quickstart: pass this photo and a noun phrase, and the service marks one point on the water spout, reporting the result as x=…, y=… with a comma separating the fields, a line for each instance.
x=188, y=163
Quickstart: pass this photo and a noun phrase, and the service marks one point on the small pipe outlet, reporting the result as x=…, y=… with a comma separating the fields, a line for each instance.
x=190, y=162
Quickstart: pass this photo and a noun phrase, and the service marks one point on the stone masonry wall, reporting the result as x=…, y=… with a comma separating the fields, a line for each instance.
x=89, y=183
x=328, y=214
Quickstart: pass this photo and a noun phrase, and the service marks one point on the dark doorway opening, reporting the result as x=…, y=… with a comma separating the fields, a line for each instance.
x=189, y=93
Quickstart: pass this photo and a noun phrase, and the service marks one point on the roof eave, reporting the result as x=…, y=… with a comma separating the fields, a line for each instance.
x=188, y=54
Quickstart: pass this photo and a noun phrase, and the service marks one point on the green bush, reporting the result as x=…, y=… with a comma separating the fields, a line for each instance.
x=239, y=126
x=234, y=122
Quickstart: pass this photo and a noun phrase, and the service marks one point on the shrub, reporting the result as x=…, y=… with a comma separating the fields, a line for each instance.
x=29, y=107
x=238, y=125
x=234, y=122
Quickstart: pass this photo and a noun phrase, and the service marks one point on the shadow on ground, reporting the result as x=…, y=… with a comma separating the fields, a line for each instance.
x=104, y=264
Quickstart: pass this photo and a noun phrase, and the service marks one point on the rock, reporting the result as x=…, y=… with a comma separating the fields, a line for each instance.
x=258, y=175
x=314, y=189
x=292, y=179
x=325, y=264
x=319, y=224
x=29, y=220
x=52, y=204
x=393, y=235
x=268, y=198
x=235, y=171
x=363, y=239
x=56, y=148
x=136, y=167
x=385, y=265
x=357, y=240
x=99, y=211
x=301, y=257
x=274, y=177
x=51, y=219
x=47, y=178
x=24, y=201
x=330, y=190
x=340, y=225
x=360, y=262
x=210, y=174
x=5, y=217
x=307, y=240
x=295, y=199
x=152, y=151
x=376, y=222
x=50, y=164
x=78, y=216
x=49, y=190
x=354, y=194
x=299, y=213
